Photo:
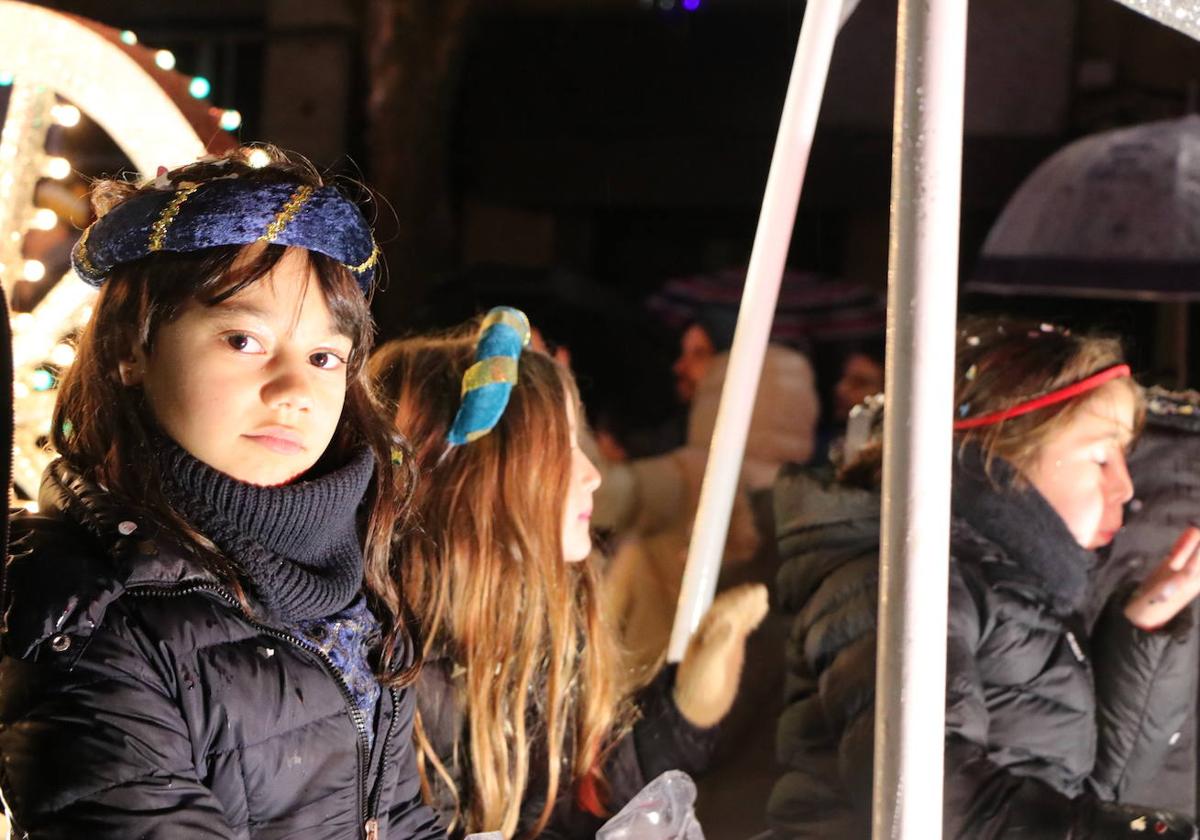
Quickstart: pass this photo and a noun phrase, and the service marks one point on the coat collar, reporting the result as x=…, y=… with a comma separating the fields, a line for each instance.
x=1020, y=521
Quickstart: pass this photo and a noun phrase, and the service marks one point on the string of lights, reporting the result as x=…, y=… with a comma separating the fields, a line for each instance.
x=59, y=69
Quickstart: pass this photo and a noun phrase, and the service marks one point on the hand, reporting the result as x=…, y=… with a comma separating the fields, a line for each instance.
x=708, y=676
x=1171, y=586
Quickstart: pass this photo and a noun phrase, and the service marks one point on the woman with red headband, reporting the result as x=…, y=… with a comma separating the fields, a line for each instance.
x=1043, y=720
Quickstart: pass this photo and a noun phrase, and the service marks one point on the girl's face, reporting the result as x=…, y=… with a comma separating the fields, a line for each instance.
x=1081, y=471
x=577, y=512
x=254, y=385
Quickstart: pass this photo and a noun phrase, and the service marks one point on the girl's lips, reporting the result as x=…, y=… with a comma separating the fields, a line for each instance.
x=283, y=445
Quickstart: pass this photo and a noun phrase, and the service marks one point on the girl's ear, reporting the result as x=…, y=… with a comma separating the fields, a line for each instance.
x=132, y=366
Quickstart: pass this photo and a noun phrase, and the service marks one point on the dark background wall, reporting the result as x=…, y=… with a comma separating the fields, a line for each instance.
x=627, y=141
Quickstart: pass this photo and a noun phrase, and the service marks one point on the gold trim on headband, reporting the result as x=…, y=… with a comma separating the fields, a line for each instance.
x=503, y=315
x=367, y=263
x=489, y=370
x=284, y=217
x=158, y=233
x=81, y=253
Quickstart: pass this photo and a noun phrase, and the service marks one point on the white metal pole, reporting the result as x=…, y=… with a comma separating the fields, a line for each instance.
x=919, y=383
x=776, y=220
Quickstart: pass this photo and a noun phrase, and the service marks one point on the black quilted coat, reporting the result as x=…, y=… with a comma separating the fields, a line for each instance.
x=137, y=700
x=1039, y=730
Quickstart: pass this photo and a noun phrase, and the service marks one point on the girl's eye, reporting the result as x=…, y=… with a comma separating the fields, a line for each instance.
x=244, y=343
x=326, y=360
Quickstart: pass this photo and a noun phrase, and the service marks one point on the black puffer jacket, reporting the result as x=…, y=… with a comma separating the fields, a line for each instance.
x=138, y=701
x=1166, y=483
x=1035, y=739
x=661, y=740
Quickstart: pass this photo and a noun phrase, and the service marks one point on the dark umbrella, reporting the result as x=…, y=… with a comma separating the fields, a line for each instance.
x=1114, y=215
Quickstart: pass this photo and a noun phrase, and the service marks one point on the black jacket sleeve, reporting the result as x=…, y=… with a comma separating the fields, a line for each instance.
x=661, y=739
x=985, y=801
x=1145, y=691
x=93, y=745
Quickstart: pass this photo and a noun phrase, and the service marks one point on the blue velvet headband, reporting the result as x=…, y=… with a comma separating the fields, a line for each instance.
x=487, y=384
x=228, y=211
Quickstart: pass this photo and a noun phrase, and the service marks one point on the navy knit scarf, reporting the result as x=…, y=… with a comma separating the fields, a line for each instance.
x=1023, y=523
x=297, y=544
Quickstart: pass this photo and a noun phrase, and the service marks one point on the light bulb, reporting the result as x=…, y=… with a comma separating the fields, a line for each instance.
x=62, y=355
x=258, y=158
x=199, y=87
x=42, y=380
x=44, y=219
x=66, y=115
x=34, y=270
x=57, y=168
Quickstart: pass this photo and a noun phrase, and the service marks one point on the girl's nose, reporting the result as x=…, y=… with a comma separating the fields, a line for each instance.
x=1121, y=485
x=591, y=475
x=288, y=387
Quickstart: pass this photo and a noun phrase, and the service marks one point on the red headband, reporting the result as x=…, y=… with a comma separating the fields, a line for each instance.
x=1053, y=397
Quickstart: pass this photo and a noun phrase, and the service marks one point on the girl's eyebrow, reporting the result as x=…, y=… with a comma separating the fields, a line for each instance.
x=234, y=308
x=239, y=307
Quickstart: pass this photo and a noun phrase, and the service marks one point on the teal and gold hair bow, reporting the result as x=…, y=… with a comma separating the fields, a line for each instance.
x=487, y=384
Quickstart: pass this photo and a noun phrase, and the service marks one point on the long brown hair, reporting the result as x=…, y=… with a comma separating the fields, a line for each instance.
x=484, y=571
x=105, y=431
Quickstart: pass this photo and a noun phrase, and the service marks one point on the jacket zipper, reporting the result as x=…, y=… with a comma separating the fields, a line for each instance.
x=369, y=824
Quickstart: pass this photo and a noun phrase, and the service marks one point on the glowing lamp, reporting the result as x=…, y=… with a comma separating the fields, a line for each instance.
x=42, y=380
x=199, y=87
x=44, y=219
x=65, y=115
x=57, y=168
x=258, y=158
x=34, y=270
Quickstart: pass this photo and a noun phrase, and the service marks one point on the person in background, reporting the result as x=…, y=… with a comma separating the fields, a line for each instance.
x=652, y=502
x=862, y=377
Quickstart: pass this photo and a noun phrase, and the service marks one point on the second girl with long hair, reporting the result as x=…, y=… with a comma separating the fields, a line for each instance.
x=520, y=701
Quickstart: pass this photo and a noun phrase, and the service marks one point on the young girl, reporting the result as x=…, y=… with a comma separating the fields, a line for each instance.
x=190, y=648
x=1042, y=722
x=523, y=727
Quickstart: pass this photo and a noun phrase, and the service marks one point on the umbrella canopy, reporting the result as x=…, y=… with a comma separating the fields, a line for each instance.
x=812, y=309
x=1116, y=214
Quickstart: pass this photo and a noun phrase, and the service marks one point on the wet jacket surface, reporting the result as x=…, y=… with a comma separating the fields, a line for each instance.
x=138, y=701
x=661, y=739
x=1039, y=732
x=1165, y=467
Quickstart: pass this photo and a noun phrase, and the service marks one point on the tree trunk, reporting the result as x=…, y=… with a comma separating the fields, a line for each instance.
x=414, y=50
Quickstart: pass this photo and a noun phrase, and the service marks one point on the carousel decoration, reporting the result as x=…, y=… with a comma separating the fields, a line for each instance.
x=58, y=68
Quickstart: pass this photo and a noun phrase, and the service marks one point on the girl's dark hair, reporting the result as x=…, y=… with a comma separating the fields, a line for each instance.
x=105, y=431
